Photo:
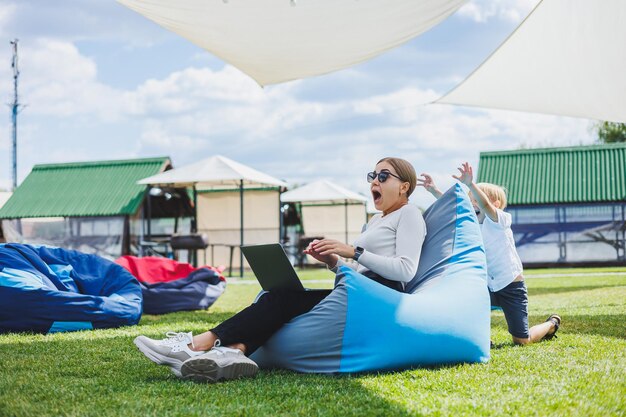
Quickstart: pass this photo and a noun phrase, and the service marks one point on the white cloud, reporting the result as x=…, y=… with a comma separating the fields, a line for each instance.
x=197, y=112
x=215, y=112
x=155, y=136
x=191, y=88
x=7, y=12
x=482, y=11
x=5, y=137
x=5, y=155
x=55, y=79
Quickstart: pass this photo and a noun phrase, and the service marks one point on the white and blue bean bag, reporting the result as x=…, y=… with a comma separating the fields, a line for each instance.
x=443, y=318
x=48, y=290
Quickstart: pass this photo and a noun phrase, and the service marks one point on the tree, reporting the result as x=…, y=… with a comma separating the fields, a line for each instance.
x=610, y=132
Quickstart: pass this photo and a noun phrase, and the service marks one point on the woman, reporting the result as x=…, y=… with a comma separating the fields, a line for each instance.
x=387, y=251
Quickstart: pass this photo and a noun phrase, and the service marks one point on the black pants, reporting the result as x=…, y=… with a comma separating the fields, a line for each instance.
x=255, y=324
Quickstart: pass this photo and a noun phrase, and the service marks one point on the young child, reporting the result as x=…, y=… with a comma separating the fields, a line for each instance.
x=504, y=267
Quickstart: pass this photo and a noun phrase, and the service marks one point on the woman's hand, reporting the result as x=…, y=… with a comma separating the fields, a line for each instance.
x=327, y=250
x=330, y=260
x=467, y=174
x=333, y=247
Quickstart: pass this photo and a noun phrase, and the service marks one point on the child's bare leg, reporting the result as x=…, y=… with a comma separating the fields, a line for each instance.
x=540, y=331
x=536, y=333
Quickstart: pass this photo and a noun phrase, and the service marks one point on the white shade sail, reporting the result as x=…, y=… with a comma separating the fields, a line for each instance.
x=216, y=172
x=567, y=58
x=280, y=40
x=321, y=191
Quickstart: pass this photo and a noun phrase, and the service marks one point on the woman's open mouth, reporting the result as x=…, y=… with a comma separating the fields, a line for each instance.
x=376, y=195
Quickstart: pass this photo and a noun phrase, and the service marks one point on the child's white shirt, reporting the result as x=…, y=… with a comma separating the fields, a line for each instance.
x=503, y=262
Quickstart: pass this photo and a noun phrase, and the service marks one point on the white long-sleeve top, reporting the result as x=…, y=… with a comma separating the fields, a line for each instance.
x=392, y=244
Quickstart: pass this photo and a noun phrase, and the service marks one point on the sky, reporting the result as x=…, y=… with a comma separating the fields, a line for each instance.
x=100, y=82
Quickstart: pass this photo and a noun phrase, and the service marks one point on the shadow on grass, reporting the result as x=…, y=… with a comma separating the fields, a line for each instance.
x=176, y=318
x=283, y=392
x=497, y=346
x=556, y=290
x=609, y=325
x=113, y=378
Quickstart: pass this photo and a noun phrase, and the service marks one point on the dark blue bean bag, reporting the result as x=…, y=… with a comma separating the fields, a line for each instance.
x=47, y=290
x=169, y=286
x=198, y=291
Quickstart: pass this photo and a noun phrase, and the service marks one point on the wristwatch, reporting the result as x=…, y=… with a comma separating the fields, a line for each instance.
x=358, y=251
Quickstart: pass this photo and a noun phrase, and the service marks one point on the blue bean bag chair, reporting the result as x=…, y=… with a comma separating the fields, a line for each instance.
x=443, y=318
x=47, y=290
x=198, y=291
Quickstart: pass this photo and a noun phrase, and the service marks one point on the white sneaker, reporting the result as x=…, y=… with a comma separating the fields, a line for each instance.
x=219, y=363
x=172, y=351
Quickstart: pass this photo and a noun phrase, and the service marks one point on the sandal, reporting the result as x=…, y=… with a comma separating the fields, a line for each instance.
x=556, y=320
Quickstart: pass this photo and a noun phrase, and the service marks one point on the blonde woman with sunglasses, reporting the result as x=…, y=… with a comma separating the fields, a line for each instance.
x=387, y=251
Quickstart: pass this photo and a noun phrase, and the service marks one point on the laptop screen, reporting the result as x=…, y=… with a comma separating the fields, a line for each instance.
x=272, y=267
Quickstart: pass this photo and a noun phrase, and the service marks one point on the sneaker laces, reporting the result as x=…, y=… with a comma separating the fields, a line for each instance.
x=174, y=338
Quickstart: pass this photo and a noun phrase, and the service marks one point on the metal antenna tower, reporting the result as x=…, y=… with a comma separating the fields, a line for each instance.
x=15, y=108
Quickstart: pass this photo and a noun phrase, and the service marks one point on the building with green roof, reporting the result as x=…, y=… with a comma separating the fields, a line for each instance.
x=95, y=207
x=568, y=204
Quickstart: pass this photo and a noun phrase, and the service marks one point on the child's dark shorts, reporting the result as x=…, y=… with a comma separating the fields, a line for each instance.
x=514, y=302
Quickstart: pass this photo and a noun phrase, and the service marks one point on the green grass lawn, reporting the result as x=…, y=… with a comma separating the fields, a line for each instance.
x=101, y=373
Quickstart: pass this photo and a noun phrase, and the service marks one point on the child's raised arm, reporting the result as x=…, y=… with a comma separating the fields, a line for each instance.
x=428, y=183
x=467, y=178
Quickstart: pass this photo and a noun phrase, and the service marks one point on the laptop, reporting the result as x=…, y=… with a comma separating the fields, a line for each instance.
x=272, y=267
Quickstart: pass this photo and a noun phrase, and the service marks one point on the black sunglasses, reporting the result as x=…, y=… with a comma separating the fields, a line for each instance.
x=382, y=176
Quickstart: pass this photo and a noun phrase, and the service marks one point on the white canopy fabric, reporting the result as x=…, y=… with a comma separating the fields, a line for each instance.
x=219, y=217
x=216, y=172
x=329, y=210
x=280, y=40
x=343, y=222
x=567, y=58
x=321, y=191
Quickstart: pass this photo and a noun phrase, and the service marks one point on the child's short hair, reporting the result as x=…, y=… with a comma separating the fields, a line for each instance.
x=494, y=192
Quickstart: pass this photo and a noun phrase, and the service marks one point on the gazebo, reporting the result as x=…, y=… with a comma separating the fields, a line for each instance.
x=329, y=210
x=94, y=206
x=216, y=182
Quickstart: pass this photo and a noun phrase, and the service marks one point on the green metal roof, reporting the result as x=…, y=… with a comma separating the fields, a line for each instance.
x=101, y=188
x=582, y=174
